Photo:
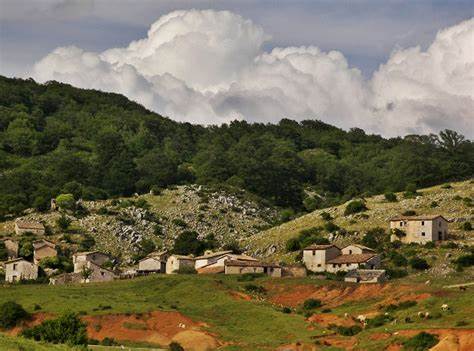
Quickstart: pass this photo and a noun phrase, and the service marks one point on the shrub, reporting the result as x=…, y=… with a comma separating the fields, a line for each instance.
x=286, y=310
x=257, y=289
x=461, y=323
x=66, y=201
x=375, y=238
x=326, y=216
x=394, y=273
x=390, y=197
x=67, y=329
x=287, y=215
x=446, y=186
x=155, y=190
x=249, y=277
x=420, y=342
x=378, y=321
x=430, y=245
x=348, y=331
x=433, y=204
x=410, y=191
x=186, y=270
x=418, y=263
x=398, y=259
x=311, y=304
x=331, y=227
x=174, y=346
x=179, y=222
x=63, y=222
x=467, y=226
x=108, y=342
x=293, y=244
x=11, y=313
x=409, y=213
x=450, y=245
x=465, y=260
x=401, y=306
x=355, y=206
x=3, y=252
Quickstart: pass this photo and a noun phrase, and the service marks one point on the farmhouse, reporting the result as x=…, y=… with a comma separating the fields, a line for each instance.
x=213, y=262
x=42, y=249
x=365, y=276
x=96, y=273
x=419, y=229
x=153, y=263
x=80, y=259
x=11, y=246
x=24, y=226
x=177, y=262
x=243, y=267
x=330, y=258
x=20, y=269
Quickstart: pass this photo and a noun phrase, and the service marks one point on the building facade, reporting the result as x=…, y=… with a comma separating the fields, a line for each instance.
x=177, y=262
x=419, y=229
x=25, y=226
x=42, y=249
x=20, y=269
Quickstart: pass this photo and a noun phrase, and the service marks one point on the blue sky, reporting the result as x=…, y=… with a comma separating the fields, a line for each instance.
x=364, y=31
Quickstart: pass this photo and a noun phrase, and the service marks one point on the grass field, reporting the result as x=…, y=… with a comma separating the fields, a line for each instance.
x=256, y=324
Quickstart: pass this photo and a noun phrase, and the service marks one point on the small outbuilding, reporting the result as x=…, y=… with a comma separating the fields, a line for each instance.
x=350, y=262
x=26, y=226
x=243, y=267
x=42, y=249
x=365, y=276
x=153, y=263
x=20, y=269
x=79, y=259
x=177, y=262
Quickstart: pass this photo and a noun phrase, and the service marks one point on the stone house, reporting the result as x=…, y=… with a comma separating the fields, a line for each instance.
x=243, y=267
x=20, y=269
x=355, y=261
x=153, y=263
x=97, y=273
x=364, y=276
x=176, y=262
x=316, y=256
x=80, y=259
x=214, y=262
x=24, y=226
x=11, y=246
x=42, y=249
x=330, y=258
x=209, y=258
x=296, y=271
x=419, y=229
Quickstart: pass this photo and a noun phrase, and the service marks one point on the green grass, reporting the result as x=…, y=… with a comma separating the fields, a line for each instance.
x=19, y=344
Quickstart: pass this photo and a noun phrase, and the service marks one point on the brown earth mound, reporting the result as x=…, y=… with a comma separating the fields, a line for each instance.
x=35, y=319
x=335, y=295
x=193, y=340
x=240, y=296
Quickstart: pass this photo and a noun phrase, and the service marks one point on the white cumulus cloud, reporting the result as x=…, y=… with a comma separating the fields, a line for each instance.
x=210, y=67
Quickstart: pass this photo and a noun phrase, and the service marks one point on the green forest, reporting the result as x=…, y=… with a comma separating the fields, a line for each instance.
x=55, y=139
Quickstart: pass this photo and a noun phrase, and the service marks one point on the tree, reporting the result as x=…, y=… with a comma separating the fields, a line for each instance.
x=450, y=140
x=375, y=238
x=66, y=201
x=86, y=273
x=10, y=314
x=418, y=263
x=188, y=243
x=355, y=206
x=3, y=251
x=63, y=222
x=21, y=137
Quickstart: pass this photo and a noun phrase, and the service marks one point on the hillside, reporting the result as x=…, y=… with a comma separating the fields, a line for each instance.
x=119, y=226
x=453, y=201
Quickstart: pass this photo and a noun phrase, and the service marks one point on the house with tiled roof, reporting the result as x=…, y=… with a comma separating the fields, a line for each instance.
x=155, y=262
x=331, y=258
x=20, y=269
x=43, y=248
x=419, y=229
x=175, y=263
x=79, y=259
x=213, y=262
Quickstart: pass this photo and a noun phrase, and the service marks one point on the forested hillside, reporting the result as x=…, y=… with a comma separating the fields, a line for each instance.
x=55, y=138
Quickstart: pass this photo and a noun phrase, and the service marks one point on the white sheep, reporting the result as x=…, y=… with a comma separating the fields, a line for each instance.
x=444, y=307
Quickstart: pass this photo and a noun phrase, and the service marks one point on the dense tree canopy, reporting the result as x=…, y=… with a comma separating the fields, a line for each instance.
x=55, y=139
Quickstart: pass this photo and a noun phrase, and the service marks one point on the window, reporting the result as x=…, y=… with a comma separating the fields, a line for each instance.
x=350, y=252
x=15, y=266
x=314, y=253
x=422, y=222
x=401, y=224
x=422, y=233
x=439, y=224
x=319, y=264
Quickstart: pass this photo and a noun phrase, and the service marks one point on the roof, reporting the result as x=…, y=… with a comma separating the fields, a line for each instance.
x=250, y=264
x=23, y=224
x=213, y=254
x=360, y=247
x=157, y=255
x=242, y=257
x=40, y=243
x=365, y=274
x=183, y=257
x=156, y=258
x=320, y=247
x=8, y=238
x=352, y=258
x=87, y=253
x=17, y=260
x=211, y=270
x=417, y=218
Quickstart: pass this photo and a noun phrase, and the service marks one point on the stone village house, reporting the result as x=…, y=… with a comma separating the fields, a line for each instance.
x=24, y=226
x=330, y=258
x=419, y=229
x=177, y=262
x=42, y=249
x=364, y=276
x=20, y=269
x=214, y=262
x=155, y=262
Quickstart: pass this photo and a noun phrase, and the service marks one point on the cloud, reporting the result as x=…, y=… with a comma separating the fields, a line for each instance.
x=210, y=67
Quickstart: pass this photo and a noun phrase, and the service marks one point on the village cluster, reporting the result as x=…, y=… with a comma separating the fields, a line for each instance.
x=361, y=263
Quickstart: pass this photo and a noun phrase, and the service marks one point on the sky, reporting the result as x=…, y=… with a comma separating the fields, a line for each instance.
x=390, y=67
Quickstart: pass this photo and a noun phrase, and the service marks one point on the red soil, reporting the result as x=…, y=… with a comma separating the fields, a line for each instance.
x=35, y=319
x=379, y=336
x=464, y=337
x=240, y=296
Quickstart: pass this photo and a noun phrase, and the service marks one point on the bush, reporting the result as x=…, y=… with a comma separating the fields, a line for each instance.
x=186, y=270
x=174, y=346
x=67, y=329
x=418, y=263
x=326, y=216
x=311, y=304
x=394, y=273
x=446, y=186
x=390, y=197
x=401, y=306
x=3, y=251
x=11, y=313
x=347, y=331
x=286, y=310
x=467, y=226
x=375, y=238
x=378, y=321
x=398, y=259
x=331, y=227
x=293, y=244
x=465, y=260
x=179, y=222
x=287, y=215
x=355, y=206
x=66, y=201
x=409, y=213
x=257, y=289
x=63, y=222
x=249, y=277
x=142, y=203
x=434, y=204
x=430, y=245
x=420, y=342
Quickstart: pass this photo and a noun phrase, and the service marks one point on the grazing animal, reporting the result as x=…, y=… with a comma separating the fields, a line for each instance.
x=462, y=288
x=346, y=315
x=444, y=307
